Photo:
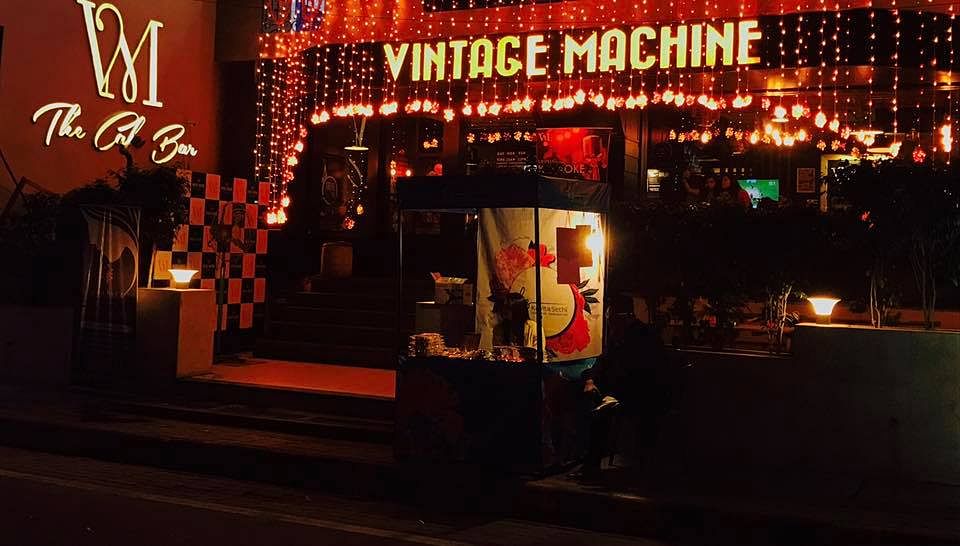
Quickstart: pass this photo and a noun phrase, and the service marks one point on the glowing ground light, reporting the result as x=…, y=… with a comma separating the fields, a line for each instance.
x=823, y=307
x=181, y=277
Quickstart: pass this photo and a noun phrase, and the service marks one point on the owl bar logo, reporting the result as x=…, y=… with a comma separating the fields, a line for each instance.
x=93, y=18
x=123, y=127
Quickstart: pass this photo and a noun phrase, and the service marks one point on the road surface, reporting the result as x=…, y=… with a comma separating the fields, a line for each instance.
x=52, y=500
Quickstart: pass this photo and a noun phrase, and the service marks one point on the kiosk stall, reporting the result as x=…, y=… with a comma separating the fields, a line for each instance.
x=493, y=368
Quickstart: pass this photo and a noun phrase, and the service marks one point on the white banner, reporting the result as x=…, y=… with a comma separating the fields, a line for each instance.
x=571, y=276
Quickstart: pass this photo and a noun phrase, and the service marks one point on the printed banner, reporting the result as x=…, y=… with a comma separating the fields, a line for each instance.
x=108, y=310
x=571, y=277
x=574, y=152
x=226, y=240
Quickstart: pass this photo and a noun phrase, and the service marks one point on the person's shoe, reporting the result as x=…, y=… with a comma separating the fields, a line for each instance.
x=607, y=403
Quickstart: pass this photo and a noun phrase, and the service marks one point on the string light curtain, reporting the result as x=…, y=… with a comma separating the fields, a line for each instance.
x=813, y=71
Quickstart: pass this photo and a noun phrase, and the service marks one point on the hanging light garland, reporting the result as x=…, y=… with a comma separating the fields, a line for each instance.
x=313, y=71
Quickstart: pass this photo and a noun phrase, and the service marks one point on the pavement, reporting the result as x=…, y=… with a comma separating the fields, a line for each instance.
x=671, y=504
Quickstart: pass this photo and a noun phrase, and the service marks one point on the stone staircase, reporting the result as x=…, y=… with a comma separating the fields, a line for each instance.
x=348, y=322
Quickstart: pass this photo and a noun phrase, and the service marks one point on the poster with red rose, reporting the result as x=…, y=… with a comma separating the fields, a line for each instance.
x=570, y=301
x=574, y=152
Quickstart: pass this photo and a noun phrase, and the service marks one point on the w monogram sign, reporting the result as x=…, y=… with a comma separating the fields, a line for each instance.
x=124, y=69
x=103, y=67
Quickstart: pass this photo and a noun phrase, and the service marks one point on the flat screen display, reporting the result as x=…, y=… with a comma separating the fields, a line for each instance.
x=760, y=188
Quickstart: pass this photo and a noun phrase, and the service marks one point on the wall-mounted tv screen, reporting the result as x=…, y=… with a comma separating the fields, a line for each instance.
x=761, y=188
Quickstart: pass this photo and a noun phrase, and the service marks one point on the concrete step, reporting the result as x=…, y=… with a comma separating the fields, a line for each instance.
x=343, y=406
x=347, y=355
x=98, y=432
x=343, y=300
x=336, y=334
x=273, y=419
x=280, y=312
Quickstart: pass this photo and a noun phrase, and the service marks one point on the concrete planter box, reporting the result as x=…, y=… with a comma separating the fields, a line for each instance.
x=880, y=400
x=851, y=401
x=175, y=332
x=36, y=344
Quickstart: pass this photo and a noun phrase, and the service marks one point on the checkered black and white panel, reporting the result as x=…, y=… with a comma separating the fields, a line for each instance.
x=241, y=205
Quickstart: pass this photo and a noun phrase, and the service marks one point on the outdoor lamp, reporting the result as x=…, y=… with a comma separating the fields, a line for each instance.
x=823, y=307
x=181, y=277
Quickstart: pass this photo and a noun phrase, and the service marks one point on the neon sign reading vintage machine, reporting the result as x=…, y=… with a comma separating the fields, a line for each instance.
x=120, y=128
x=636, y=48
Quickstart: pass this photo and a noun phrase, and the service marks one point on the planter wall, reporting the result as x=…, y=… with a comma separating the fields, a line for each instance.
x=852, y=401
x=885, y=401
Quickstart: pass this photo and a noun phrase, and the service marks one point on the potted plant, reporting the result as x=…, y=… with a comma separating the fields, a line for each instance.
x=162, y=195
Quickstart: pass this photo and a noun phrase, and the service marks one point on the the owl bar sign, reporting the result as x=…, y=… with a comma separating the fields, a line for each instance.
x=618, y=50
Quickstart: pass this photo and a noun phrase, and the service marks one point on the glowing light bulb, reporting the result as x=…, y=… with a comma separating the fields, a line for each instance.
x=360, y=209
x=467, y=110
x=946, y=137
x=580, y=96
x=598, y=100
x=285, y=201
x=705, y=137
x=448, y=114
x=777, y=139
x=797, y=111
x=820, y=120
x=802, y=135
x=919, y=155
x=298, y=146
x=595, y=243
x=780, y=113
x=292, y=161
x=834, y=125
x=742, y=101
x=546, y=104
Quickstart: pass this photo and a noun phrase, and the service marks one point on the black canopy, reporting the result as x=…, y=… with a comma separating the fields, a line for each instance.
x=502, y=191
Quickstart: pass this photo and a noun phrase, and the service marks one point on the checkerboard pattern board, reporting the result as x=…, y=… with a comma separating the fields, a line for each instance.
x=219, y=200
